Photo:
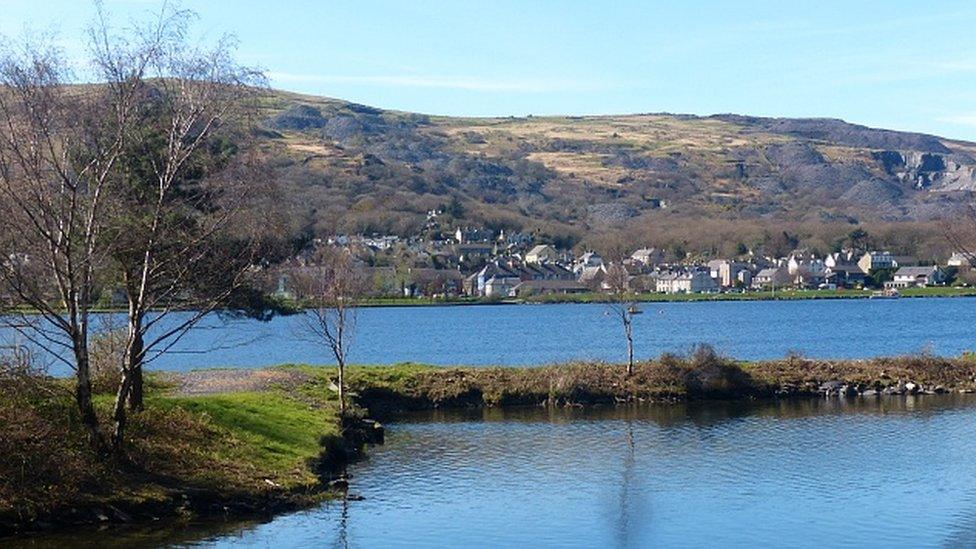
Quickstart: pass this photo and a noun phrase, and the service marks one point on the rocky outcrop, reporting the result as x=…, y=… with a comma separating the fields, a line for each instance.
x=298, y=118
x=933, y=171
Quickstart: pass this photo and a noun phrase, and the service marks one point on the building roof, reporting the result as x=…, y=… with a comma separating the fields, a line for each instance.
x=646, y=253
x=916, y=271
x=502, y=279
x=848, y=268
x=768, y=273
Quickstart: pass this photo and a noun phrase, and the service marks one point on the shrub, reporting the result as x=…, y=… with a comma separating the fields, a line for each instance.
x=105, y=353
x=711, y=374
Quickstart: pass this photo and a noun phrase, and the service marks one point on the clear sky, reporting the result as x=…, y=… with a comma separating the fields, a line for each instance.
x=906, y=65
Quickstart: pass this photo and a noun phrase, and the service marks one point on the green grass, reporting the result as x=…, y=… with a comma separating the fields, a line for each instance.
x=938, y=291
x=246, y=450
x=273, y=432
x=392, y=376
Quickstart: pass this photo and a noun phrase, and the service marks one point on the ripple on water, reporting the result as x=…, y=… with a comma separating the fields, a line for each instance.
x=810, y=473
x=894, y=472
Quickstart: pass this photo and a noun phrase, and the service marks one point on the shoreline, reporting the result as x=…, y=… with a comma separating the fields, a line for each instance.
x=599, y=298
x=288, y=392
x=935, y=292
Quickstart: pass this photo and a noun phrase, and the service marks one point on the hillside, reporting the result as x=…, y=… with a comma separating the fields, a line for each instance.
x=352, y=168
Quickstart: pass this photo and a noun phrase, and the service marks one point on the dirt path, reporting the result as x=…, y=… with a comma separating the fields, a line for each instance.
x=211, y=382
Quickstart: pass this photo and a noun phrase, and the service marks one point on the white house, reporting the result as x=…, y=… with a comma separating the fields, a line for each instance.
x=589, y=259
x=962, y=259
x=501, y=286
x=807, y=266
x=541, y=254
x=771, y=277
x=691, y=282
x=871, y=261
x=650, y=257
x=908, y=277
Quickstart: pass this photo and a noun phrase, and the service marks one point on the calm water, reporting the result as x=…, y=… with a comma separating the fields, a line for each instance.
x=863, y=473
x=540, y=334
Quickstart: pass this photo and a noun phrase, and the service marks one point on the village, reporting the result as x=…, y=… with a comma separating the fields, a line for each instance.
x=478, y=263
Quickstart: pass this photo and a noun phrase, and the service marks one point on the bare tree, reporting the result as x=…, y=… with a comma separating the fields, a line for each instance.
x=622, y=304
x=961, y=233
x=332, y=290
x=59, y=146
x=178, y=240
x=617, y=285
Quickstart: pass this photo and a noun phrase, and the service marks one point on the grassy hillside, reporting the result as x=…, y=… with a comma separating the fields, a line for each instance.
x=351, y=168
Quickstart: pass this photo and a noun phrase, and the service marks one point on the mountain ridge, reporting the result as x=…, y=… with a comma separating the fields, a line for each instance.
x=358, y=168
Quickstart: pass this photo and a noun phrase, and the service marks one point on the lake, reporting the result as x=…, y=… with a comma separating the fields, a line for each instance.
x=515, y=335
x=892, y=472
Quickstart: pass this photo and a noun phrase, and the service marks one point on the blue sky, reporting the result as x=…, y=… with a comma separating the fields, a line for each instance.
x=895, y=64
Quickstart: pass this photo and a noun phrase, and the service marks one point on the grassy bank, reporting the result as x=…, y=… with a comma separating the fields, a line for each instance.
x=187, y=456
x=389, y=390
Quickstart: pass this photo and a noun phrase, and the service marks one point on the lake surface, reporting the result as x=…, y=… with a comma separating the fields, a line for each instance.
x=891, y=472
x=539, y=334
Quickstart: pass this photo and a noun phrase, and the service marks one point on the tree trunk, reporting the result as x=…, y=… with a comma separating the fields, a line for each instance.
x=83, y=394
x=119, y=411
x=130, y=387
x=134, y=357
x=629, y=331
x=342, y=389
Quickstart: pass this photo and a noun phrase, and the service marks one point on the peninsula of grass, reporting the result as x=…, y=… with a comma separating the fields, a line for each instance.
x=187, y=456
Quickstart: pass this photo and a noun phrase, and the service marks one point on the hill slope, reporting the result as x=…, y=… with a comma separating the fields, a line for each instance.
x=350, y=167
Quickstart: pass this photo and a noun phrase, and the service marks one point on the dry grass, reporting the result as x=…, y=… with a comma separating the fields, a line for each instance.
x=701, y=375
x=243, y=451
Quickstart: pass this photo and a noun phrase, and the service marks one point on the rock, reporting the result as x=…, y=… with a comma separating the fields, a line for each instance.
x=870, y=393
x=939, y=389
x=912, y=388
x=355, y=497
x=829, y=388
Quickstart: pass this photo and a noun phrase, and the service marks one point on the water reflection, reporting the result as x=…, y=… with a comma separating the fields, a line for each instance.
x=805, y=473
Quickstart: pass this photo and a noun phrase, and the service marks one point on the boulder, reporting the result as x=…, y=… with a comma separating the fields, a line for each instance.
x=831, y=387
